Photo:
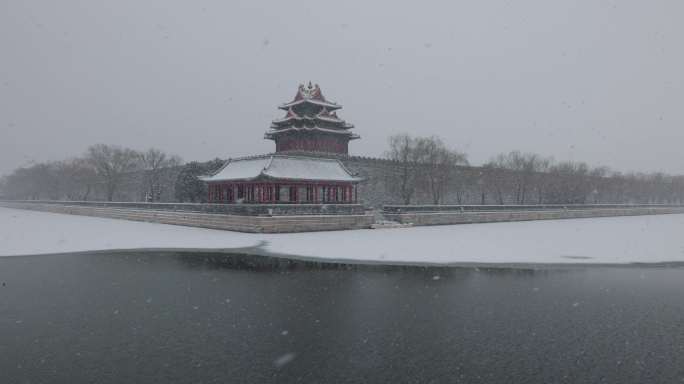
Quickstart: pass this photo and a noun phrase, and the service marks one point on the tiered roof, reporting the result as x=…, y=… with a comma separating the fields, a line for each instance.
x=283, y=167
x=310, y=111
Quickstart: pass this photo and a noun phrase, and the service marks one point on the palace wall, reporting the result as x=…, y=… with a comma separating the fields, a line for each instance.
x=377, y=188
x=470, y=185
x=164, y=214
x=230, y=222
x=502, y=215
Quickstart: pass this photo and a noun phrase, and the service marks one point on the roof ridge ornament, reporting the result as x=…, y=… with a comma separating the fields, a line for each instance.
x=312, y=94
x=316, y=93
x=300, y=93
x=309, y=92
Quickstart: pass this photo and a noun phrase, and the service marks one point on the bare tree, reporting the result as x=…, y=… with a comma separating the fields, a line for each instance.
x=403, y=151
x=159, y=172
x=78, y=177
x=111, y=163
x=525, y=169
x=496, y=179
x=568, y=183
x=439, y=165
x=462, y=179
x=540, y=179
x=34, y=182
x=598, y=184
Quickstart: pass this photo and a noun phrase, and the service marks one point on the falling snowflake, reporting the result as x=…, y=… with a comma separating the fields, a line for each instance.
x=284, y=360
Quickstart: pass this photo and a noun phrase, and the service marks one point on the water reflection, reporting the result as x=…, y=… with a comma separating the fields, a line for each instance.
x=179, y=317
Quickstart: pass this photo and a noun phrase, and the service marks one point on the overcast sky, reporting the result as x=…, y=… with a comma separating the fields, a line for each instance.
x=599, y=81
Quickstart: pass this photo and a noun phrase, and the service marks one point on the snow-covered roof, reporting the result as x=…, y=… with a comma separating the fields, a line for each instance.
x=275, y=130
x=332, y=119
x=324, y=115
x=327, y=104
x=283, y=167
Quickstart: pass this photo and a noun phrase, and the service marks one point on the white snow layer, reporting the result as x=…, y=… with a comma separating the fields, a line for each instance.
x=283, y=167
x=645, y=239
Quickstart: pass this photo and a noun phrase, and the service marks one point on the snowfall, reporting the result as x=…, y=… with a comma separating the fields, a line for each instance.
x=619, y=240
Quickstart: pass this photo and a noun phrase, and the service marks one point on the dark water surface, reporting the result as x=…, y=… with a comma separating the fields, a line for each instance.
x=179, y=317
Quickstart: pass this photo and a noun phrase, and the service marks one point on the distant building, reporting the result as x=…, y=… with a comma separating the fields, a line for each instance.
x=310, y=125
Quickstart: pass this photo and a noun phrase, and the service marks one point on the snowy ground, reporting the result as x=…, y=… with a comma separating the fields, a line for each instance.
x=647, y=239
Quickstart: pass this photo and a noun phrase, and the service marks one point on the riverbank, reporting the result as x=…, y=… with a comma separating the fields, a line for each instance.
x=615, y=240
x=291, y=218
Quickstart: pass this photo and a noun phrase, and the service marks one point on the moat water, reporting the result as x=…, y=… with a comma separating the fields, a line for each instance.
x=206, y=318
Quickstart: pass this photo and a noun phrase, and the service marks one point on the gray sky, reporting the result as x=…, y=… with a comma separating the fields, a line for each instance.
x=599, y=81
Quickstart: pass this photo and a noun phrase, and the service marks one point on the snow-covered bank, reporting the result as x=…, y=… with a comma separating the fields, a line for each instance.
x=647, y=239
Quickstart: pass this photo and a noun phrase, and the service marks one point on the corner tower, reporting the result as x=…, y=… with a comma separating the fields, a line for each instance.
x=311, y=125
